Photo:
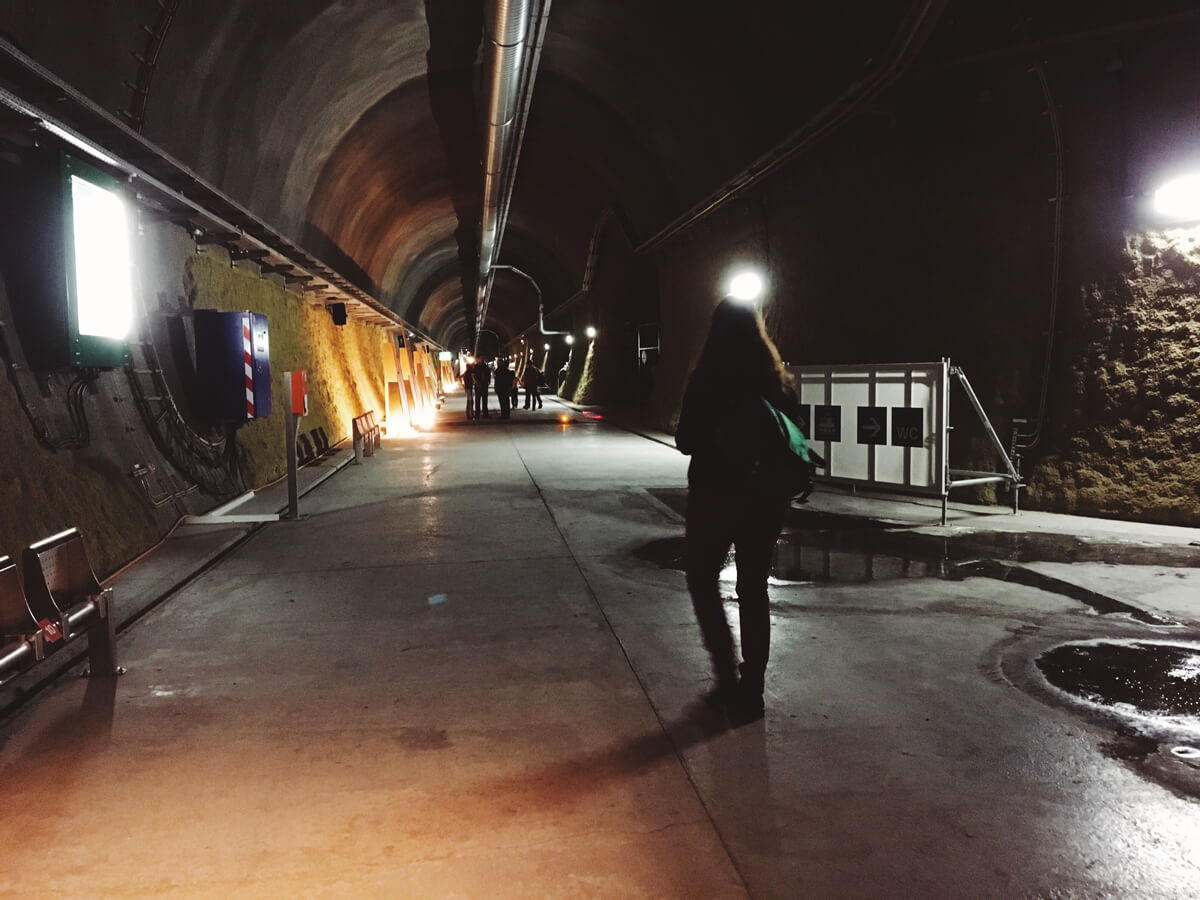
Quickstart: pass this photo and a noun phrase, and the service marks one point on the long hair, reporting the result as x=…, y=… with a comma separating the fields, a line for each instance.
x=738, y=354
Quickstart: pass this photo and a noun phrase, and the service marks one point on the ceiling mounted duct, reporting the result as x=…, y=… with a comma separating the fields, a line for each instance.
x=515, y=30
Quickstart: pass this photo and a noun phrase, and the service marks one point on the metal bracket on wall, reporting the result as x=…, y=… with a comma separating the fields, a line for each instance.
x=222, y=515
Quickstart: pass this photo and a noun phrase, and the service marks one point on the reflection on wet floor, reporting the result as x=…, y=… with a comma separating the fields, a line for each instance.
x=1147, y=678
x=822, y=548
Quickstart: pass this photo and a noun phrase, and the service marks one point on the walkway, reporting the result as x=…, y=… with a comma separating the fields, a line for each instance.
x=471, y=672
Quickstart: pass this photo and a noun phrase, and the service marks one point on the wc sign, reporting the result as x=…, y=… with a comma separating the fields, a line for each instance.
x=907, y=427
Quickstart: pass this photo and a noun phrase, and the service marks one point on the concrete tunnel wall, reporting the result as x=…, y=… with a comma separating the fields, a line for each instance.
x=928, y=232
x=92, y=487
x=921, y=230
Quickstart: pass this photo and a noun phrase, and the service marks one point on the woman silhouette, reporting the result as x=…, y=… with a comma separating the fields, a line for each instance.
x=738, y=365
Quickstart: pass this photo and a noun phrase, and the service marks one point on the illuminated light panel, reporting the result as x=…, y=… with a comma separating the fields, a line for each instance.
x=103, y=282
x=1179, y=198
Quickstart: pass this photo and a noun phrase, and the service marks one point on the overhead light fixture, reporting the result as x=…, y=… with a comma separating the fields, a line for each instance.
x=746, y=285
x=570, y=339
x=591, y=333
x=545, y=346
x=1179, y=198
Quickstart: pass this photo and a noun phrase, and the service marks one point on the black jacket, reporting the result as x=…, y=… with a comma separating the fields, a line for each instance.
x=722, y=426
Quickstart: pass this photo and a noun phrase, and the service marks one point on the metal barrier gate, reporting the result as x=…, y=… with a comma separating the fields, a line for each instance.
x=886, y=427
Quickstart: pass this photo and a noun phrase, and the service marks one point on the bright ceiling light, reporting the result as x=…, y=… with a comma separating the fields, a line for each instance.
x=545, y=346
x=1179, y=198
x=591, y=332
x=746, y=286
x=570, y=339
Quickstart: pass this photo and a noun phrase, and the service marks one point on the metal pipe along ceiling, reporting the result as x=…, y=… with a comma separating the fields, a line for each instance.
x=515, y=32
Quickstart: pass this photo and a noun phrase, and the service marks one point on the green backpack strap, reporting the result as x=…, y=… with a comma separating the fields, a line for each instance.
x=789, y=432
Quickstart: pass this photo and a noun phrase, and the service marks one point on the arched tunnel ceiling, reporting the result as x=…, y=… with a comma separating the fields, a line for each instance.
x=354, y=127
x=325, y=119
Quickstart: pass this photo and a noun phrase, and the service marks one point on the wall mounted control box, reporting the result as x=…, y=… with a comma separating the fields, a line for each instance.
x=233, y=365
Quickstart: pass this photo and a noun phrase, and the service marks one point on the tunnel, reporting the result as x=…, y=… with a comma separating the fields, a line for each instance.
x=247, y=245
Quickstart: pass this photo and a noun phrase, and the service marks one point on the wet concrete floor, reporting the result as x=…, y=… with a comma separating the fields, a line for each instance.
x=1142, y=685
x=457, y=678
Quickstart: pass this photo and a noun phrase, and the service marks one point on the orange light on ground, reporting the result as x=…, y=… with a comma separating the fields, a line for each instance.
x=564, y=419
x=396, y=430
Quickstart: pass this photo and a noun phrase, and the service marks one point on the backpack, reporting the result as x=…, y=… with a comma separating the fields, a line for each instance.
x=770, y=449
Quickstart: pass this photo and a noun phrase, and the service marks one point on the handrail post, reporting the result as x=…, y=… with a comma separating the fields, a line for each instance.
x=102, y=637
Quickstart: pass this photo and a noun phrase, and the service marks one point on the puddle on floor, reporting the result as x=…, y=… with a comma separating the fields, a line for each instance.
x=1152, y=680
x=821, y=548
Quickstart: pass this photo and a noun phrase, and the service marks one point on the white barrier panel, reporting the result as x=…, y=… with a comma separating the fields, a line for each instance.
x=880, y=426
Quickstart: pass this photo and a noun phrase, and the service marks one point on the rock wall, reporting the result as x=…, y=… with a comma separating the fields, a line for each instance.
x=1129, y=444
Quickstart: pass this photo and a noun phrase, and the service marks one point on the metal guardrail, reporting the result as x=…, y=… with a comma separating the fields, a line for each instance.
x=61, y=600
x=366, y=433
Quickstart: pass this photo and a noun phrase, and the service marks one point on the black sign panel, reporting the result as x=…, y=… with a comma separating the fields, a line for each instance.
x=908, y=426
x=872, y=424
x=804, y=419
x=827, y=423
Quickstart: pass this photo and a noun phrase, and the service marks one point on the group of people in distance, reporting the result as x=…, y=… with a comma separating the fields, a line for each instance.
x=477, y=378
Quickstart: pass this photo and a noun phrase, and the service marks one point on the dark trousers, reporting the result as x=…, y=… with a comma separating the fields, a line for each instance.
x=533, y=399
x=717, y=519
x=481, y=404
x=503, y=397
x=470, y=403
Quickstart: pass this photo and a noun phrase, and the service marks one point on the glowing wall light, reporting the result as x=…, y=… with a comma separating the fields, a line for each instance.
x=746, y=286
x=67, y=238
x=591, y=333
x=103, y=283
x=1179, y=199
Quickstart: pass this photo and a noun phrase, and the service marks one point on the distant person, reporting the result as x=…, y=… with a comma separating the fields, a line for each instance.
x=514, y=391
x=468, y=382
x=646, y=363
x=532, y=381
x=738, y=365
x=483, y=380
x=562, y=376
x=504, y=387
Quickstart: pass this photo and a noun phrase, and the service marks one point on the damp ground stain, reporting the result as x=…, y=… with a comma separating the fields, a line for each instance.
x=1149, y=678
x=820, y=548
